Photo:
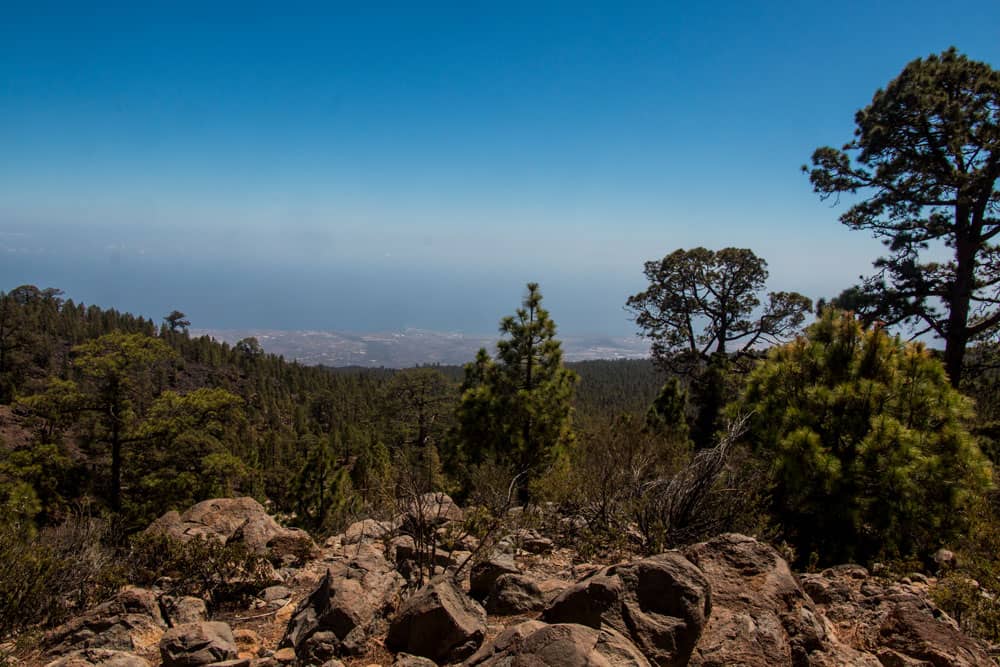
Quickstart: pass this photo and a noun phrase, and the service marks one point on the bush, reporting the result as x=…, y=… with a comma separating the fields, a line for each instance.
x=202, y=567
x=46, y=577
x=969, y=591
x=866, y=442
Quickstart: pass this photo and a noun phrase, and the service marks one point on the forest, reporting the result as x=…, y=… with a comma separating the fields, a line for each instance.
x=832, y=429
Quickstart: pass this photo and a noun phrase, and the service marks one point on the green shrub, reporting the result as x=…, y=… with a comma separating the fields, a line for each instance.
x=47, y=576
x=866, y=442
x=969, y=590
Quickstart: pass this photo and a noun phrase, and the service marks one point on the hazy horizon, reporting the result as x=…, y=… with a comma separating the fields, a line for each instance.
x=358, y=169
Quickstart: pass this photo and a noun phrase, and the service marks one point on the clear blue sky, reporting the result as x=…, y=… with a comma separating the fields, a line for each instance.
x=335, y=166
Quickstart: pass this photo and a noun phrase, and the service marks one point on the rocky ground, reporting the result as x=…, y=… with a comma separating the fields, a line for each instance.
x=375, y=595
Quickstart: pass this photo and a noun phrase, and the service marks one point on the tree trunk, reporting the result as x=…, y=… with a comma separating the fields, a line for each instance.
x=959, y=298
x=116, y=465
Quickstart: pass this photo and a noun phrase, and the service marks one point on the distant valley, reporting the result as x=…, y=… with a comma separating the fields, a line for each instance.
x=410, y=347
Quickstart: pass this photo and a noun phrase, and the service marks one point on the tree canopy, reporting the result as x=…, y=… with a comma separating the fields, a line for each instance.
x=926, y=158
x=177, y=321
x=867, y=442
x=702, y=302
x=703, y=307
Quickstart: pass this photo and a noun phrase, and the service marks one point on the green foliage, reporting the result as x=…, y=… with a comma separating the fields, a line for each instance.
x=177, y=321
x=700, y=308
x=924, y=155
x=372, y=475
x=117, y=371
x=323, y=490
x=869, y=452
x=517, y=409
x=421, y=402
x=612, y=387
x=47, y=576
x=37, y=481
x=668, y=413
x=608, y=470
x=968, y=592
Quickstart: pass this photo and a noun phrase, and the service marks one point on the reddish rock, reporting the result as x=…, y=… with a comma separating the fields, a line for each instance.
x=236, y=519
x=343, y=610
x=196, y=644
x=661, y=604
x=565, y=645
x=438, y=622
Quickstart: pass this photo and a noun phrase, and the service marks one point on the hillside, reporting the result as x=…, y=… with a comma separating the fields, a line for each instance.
x=110, y=423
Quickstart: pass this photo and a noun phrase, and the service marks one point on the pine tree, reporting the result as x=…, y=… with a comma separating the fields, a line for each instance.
x=517, y=408
x=867, y=441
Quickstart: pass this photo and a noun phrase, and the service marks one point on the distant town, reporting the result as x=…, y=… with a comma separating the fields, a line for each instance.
x=410, y=347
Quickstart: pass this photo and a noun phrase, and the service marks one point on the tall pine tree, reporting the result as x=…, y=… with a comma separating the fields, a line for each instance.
x=517, y=408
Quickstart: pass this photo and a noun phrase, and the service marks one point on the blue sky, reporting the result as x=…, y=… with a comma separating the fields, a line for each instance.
x=367, y=168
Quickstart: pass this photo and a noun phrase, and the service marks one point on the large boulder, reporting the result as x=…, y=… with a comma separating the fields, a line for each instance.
x=896, y=622
x=99, y=657
x=195, y=644
x=342, y=612
x=131, y=621
x=186, y=609
x=516, y=594
x=430, y=510
x=236, y=520
x=438, y=622
x=661, y=604
x=566, y=645
x=760, y=614
x=484, y=574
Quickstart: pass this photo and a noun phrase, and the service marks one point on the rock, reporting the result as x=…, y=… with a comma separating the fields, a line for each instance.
x=506, y=643
x=236, y=520
x=187, y=609
x=945, y=559
x=404, y=548
x=407, y=660
x=248, y=643
x=896, y=623
x=515, y=594
x=565, y=645
x=339, y=615
x=823, y=590
x=661, y=604
x=484, y=574
x=99, y=657
x=368, y=530
x=438, y=622
x=534, y=543
x=275, y=593
x=453, y=536
x=195, y=644
x=131, y=621
x=431, y=509
x=760, y=614
x=284, y=656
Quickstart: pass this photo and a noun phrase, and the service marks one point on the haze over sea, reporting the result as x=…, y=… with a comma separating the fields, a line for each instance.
x=362, y=168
